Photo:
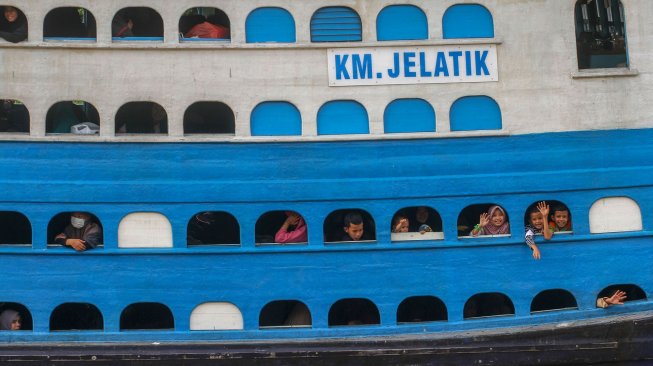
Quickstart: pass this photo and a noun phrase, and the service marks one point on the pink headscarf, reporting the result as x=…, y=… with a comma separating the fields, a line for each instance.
x=297, y=235
x=491, y=229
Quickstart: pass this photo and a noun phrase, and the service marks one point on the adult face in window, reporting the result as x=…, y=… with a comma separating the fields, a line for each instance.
x=11, y=14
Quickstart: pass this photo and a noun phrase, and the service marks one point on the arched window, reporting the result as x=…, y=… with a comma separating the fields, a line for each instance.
x=204, y=23
x=349, y=225
x=270, y=24
x=213, y=227
x=600, y=34
x=475, y=113
x=416, y=223
x=13, y=27
x=488, y=304
x=281, y=227
x=12, y=308
x=615, y=214
x=276, y=119
x=285, y=313
x=353, y=312
x=401, y=22
x=60, y=228
x=15, y=228
x=14, y=116
x=633, y=292
x=146, y=315
x=76, y=316
x=470, y=217
x=336, y=24
x=137, y=24
x=216, y=316
x=467, y=21
x=71, y=23
x=141, y=118
x=342, y=117
x=421, y=309
x=409, y=115
x=558, y=220
x=74, y=116
x=144, y=230
x=550, y=300
x=209, y=117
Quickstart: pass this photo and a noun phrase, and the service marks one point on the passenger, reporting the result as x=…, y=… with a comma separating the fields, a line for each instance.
x=122, y=26
x=400, y=224
x=354, y=228
x=293, y=230
x=492, y=222
x=537, y=225
x=208, y=29
x=81, y=234
x=421, y=223
x=63, y=116
x=560, y=219
x=616, y=299
x=10, y=320
x=13, y=25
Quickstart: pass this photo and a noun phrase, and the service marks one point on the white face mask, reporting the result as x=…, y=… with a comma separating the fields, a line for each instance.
x=76, y=222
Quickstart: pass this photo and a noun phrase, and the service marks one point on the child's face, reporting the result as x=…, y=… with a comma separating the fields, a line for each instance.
x=537, y=220
x=355, y=231
x=561, y=218
x=403, y=226
x=497, y=218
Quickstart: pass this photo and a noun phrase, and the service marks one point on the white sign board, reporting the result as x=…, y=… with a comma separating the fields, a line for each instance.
x=413, y=65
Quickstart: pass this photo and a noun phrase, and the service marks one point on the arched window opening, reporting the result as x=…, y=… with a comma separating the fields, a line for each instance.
x=209, y=117
x=349, y=225
x=486, y=219
x=600, y=34
x=281, y=227
x=204, y=23
x=336, y=24
x=15, y=228
x=558, y=219
x=141, y=118
x=17, y=316
x=76, y=316
x=421, y=309
x=70, y=23
x=270, y=24
x=351, y=312
x=488, y=304
x=632, y=292
x=14, y=116
x=146, y=316
x=216, y=316
x=401, y=22
x=342, y=117
x=614, y=215
x=475, y=113
x=285, y=313
x=416, y=223
x=13, y=25
x=276, y=119
x=75, y=225
x=213, y=227
x=77, y=117
x=552, y=300
x=467, y=21
x=409, y=115
x=137, y=24
x=145, y=230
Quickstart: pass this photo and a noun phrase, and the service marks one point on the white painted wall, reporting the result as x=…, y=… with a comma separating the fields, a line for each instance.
x=144, y=230
x=615, y=214
x=216, y=316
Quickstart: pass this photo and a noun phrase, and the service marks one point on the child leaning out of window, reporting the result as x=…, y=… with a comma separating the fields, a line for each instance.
x=537, y=224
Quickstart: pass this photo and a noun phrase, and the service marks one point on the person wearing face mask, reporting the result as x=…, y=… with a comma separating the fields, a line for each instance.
x=13, y=25
x=81, y=234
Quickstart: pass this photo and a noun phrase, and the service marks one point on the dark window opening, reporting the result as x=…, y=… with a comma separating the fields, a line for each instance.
x=285, y=313
x=633, y=292
x=62, y=224
x=600, y=34
x=419, y=222
x=281, y=227
x=9, y=308
x=559, y=218
x=146, y=315
x=14, y=116
x=15, y=228
x=354, y=312
x=360, y=226
x=137, y=22
x=69, y=22
x=420, y=309
x=141, y=118
x=204, y=22
x=77, y=117
x=470, y=217
x=488, y=304
x=550, y=300
x=76, y=316
x=209, y=117
x=213, y=227
x=13, y=24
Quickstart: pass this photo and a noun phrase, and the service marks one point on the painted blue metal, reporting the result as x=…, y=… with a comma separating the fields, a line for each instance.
x=336, y=24
x=401, y=22
x=270, y=24
x=70, y=39
x=136, y=39
x=467, y=21
x=409, y=115
x=341, y=117
x=276, y=119
x=475, y=113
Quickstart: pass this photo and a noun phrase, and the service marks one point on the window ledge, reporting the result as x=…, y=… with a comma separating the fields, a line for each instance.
x=604, y=73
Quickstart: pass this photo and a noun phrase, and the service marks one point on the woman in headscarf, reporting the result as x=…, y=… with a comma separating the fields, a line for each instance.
x=13, y=25
x=10, y=320
x=293, y=230
x=492, y=222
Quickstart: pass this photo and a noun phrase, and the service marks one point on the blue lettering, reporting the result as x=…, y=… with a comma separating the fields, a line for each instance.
x=441, y=65
x=468, y=63
x=408, y=64
x=480, y=63
x=393, y=73
x=364, y=69
x=455, y=56
x=341, y=67
x=422, y=66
